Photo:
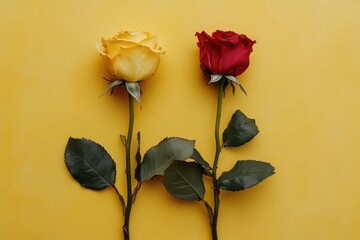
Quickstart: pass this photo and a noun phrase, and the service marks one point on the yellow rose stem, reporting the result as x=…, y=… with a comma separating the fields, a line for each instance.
x=216, y=159
x=128, y=169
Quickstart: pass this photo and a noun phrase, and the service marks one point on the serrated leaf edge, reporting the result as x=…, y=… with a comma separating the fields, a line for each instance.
x=273, y=172
x=65, y=158
x=167, y=138
x=258, y=130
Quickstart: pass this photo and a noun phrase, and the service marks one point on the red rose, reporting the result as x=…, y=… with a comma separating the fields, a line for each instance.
x=224, y=53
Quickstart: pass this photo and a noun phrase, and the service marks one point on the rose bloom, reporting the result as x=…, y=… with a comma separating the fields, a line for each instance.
x=224, y=53
x=130, y=55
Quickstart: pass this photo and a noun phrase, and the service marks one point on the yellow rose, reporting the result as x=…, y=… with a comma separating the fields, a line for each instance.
x=131, y=55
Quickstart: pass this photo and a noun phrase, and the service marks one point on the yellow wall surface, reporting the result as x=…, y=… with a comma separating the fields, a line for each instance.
x=303, y=90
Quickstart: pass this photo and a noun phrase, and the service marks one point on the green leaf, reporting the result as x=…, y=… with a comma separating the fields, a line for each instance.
x=245, y=174
x=183, y=180
x=200, y=160
x=158, y=158
x=240, y=130
x=89, y=163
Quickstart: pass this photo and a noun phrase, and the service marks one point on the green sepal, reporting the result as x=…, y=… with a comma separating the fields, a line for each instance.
x=215, y=78
x=112, y=85
x=233, y=79
x=242, y=88
x=134, y=90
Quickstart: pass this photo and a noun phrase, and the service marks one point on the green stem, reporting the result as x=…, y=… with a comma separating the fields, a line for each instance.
x=216, y=159
x=128, y=169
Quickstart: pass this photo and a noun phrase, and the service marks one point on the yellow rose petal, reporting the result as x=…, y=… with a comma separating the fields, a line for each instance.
x=134, y=36
x=149, y=67
x=110, y=73
x=102, y=50
x=135, y=64
x=130, y=55
x=150, y=42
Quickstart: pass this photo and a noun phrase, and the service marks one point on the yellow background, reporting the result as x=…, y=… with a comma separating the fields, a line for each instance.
x=303, y=90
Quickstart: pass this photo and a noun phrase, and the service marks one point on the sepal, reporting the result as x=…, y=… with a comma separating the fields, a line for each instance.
x=112, y=85
x=134, y=90
x=215, y=78
x=234, y=79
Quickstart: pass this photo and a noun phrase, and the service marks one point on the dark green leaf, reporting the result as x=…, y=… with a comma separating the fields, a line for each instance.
x=183, y=180
x=240, y=130
x=245, y=174
x=89, y=163
x=158, y=158
x=200, y=160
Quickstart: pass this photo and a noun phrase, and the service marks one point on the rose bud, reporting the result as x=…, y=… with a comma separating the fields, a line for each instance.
x=131, y=56
x=224, y=53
